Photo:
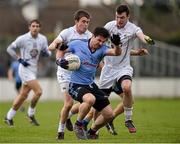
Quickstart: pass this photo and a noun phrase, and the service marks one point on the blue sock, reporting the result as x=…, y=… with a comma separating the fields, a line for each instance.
x=85, y=122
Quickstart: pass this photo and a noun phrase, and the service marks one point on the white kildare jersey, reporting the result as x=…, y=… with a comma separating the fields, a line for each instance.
x=127, y=35
x=30, y=48
x=68, y=35
x=117, y=66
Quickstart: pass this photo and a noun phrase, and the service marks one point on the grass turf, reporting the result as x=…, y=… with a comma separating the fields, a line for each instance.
x=157, y=121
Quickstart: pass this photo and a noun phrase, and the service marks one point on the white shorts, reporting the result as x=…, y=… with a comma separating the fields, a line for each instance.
x=63, y=77
x=26, y=74
x=109, y=76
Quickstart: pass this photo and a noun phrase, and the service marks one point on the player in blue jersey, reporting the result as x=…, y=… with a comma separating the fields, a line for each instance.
x=82, y=87
x=13, y=74
x=78, y=31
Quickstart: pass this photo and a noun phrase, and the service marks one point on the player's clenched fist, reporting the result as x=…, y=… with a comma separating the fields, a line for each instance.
x=115, y=39
x=149, y=40
x=23, y=62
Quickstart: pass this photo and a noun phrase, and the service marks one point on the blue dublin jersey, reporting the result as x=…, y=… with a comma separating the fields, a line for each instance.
x=89, y=61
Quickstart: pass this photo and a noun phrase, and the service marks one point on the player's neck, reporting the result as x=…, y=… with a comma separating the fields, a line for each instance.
x=90, y=45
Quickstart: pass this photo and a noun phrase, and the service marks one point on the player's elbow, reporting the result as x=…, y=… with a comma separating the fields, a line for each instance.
x=10, y=49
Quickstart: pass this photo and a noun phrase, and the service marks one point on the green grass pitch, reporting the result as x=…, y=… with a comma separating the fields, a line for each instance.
x=157, y=121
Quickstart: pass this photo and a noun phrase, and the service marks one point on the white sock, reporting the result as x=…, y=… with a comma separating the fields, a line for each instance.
x=70, y=115
x=31, y=111
x=11, y=113
x=128, y=113
x=61, y=127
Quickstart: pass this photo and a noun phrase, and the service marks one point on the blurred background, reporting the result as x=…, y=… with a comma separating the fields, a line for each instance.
x=155, y=75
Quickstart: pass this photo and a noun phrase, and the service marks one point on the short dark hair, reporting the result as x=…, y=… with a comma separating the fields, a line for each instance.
x=122, y=8
x=81, y=13
x=36, y=21
x=101, y=31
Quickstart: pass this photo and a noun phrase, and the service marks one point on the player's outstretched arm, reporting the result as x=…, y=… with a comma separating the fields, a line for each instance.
x=146, y=39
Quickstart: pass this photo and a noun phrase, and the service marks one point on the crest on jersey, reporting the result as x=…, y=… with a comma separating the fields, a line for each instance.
x=34, y=53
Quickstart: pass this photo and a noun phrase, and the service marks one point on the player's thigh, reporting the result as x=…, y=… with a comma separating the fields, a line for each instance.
x=35, y=86
x=67, y=98
x=24, y=90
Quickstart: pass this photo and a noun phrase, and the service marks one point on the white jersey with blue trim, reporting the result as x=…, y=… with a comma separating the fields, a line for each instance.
x=127, y=35
x=30, y=48
x=89, y=61
x=68, y=35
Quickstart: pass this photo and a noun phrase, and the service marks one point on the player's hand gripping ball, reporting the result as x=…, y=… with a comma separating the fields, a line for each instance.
x=71, y=62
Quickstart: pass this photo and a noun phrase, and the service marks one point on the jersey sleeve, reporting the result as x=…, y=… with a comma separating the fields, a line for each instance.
x=44, y=50
x=44, y=44
x=18, y=42
x=63, y=35
x=14, y=45
x=137, y=30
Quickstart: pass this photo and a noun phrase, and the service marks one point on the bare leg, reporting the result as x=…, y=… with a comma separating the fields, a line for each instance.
x=18, y=101
x=35, y=86
x=74, y=109
x=105, y=116
x=22, y=96
x=118, y=110
x=84, y=108
x=128, y=105
x=68, y=102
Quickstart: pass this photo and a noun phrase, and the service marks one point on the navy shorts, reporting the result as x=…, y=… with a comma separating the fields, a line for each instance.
x=77, y=91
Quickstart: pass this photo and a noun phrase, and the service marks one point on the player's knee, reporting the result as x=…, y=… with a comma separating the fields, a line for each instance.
x=38, y=93
x=89, y=98
x=126, y=89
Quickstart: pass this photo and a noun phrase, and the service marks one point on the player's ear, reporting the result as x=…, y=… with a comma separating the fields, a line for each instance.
x=29, y=27
x=128, y=16
x=76, y=21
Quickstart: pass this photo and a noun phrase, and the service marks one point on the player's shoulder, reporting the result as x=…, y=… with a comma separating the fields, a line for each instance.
x=110, y=23
x=22, y=38
x=131, y=25
x=42, y=36
x=89, y=33
x=68, y=30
